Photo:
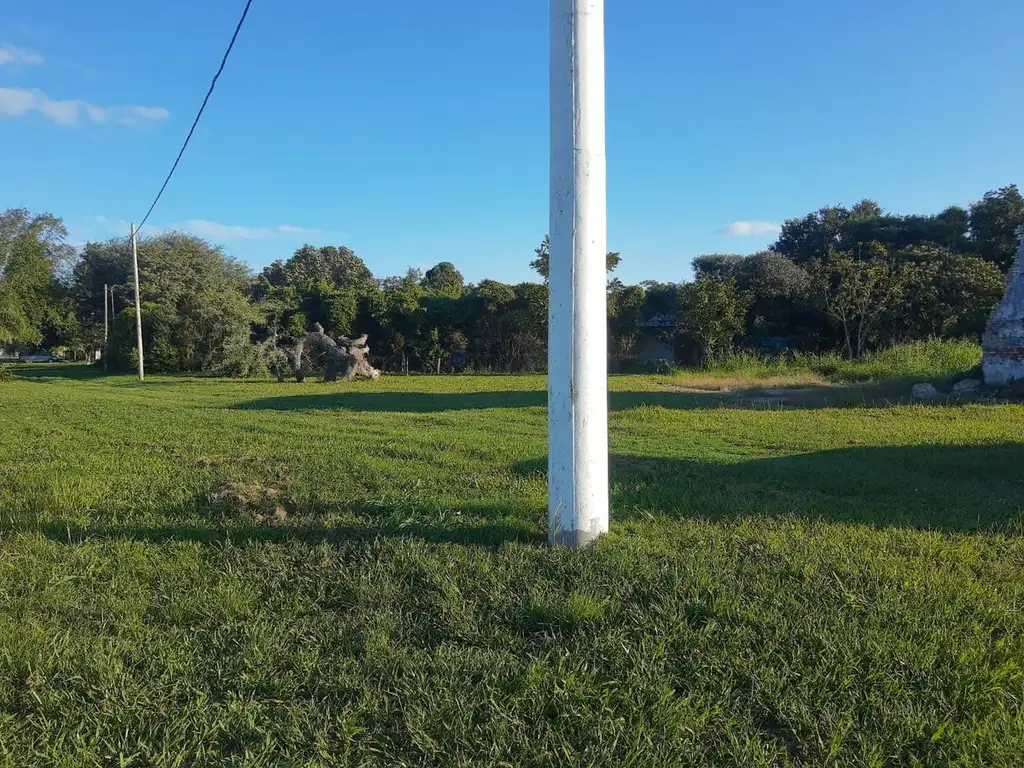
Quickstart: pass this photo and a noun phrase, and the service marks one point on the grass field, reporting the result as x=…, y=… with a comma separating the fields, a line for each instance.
x=207, y=572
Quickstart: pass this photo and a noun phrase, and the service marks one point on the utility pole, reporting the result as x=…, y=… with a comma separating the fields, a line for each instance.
x=138, y=305
x=578, y=321
x=105, y=326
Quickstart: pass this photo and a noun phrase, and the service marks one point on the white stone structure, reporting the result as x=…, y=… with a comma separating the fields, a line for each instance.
x=1003, y=342
x=578, y=326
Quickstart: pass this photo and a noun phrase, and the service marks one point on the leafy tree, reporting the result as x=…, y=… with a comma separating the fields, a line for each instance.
x=662, y=298
x=625, y=318
x=444, y=280
x=712, y=312
x=855, y=293
x=33, y=256
x=194, y=304
x=947, y=294
x=814, y=236
x=397, y=314
x=339, y=267
x=99, y=263
x=716, y=265
x=335, y=309
x=995, y=220
x=542, y=263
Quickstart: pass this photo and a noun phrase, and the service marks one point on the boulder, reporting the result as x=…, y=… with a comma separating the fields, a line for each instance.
x=1003, y=343
x=967, y=387
x=924, y=392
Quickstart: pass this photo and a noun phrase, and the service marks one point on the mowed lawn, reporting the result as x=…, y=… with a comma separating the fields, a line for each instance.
x=205, y=572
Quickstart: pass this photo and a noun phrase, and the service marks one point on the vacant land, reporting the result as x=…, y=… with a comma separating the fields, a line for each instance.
x=205, y=572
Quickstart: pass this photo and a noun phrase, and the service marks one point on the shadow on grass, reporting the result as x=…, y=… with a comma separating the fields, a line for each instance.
x=880, y=394
x=941, y=488
x=50, y=371
x=945, y=488
x=485, y=534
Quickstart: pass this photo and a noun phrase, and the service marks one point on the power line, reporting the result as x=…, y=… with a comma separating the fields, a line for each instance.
x=213, y=84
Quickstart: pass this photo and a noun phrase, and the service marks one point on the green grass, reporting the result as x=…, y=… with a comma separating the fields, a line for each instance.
x=921, y=360
x=809, y=585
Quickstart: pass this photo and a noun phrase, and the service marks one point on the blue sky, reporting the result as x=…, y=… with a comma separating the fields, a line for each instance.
x=417, y=131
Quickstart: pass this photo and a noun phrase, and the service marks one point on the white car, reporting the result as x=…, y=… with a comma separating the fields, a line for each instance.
x=40, y=358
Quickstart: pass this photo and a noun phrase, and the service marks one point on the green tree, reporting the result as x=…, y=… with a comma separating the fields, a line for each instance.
x=542, y=262
x=444, y=280
x=194, y=304
x=99, y=263
x=397, y=312
x=995, y=220
x=625, y=318
x=814, y=236
x=335, y=309
x=33, y=257
x=856, y=293
x=947, y=294
x=339, y=267
x=712, y=312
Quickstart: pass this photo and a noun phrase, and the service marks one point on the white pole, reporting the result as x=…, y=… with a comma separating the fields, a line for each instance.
x=577, y=342
x=138, y=305
x=105, y=326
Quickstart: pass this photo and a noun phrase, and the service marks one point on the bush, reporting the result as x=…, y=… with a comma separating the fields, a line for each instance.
x=6, y=374
x=242, y=359
x=920, y=360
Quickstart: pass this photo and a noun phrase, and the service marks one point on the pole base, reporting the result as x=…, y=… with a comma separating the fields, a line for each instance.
x=573, y=539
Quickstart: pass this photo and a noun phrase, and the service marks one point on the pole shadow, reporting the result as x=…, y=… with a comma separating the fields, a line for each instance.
x=943, y=488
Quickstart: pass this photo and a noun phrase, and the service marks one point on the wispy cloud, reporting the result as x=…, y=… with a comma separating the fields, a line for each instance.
x=208, y=230
x=18, y=102
x=751, y=228
x=213, y=230
x=12, y=56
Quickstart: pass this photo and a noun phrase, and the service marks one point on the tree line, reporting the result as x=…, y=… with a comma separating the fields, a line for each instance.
x=851, y=279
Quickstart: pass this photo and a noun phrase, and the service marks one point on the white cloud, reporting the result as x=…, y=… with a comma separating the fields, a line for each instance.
x=19, y=57
x=229, y=232
x=149, y=113
x=209, y=230
x=17, y=102
x=751, y=228
x=96, y=114
x=61, y=112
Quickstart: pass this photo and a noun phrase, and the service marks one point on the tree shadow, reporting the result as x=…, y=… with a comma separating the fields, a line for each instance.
x=486, y=526
x=944, y=488
x=398, y=402
x=51, y=371
x=876, y=395
x=940, y=488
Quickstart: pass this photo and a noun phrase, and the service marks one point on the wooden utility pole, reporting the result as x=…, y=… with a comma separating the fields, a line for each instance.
x=578, y=324
x=138, y=305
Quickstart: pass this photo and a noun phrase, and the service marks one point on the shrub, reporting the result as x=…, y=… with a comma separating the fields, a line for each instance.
x=242, y=359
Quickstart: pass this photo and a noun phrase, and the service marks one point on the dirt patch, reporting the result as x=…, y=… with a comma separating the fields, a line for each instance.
x=699, y=390
x=250, y=501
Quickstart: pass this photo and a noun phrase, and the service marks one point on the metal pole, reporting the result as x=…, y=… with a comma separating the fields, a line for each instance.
x=105, y=326
x=138, y=305
x=577, y=342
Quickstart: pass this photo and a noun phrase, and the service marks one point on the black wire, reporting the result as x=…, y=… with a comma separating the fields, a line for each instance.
x=195, y=122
